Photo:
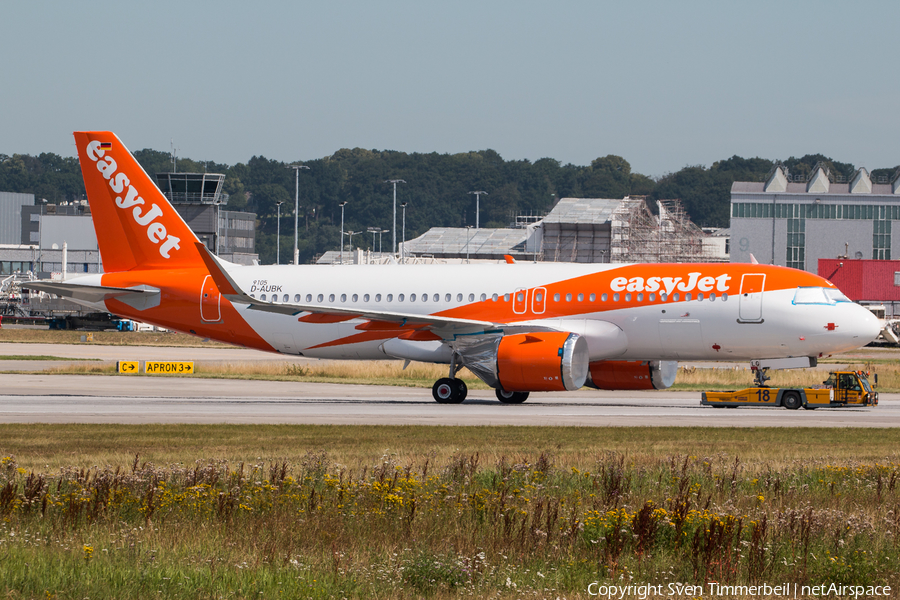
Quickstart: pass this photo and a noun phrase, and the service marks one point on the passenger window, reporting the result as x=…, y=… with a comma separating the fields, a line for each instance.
x=365, y=297
x=616, y=297
x=675, y=297
x=309, y=297
x=412, y=297
x=262, y=297
x=483, y=297
x=471, y=297
x=592, y=298
x=581, y=297
x=556, y=297
x=377, y=297
x=448, y=298
x=663, y=296
x=640, y=297
x=424, y=297
x=400, y=298
x=320, y=298
x=354, y=297
x=700, y=297
x=506, y=297
x=604, y=298
x=331, y=297
x=568, y=297
x=286, y=298
x=390, y=298
x=343, y=297
x=712, y=297
x=253, y=295
x=296, y=297
x=520, y=297
x=687, y=296
x=437, y=298
x=628, y=297
x=459, y=297
x=494, y=297
x=652, y=297
x=724, y=297
x=538, y=297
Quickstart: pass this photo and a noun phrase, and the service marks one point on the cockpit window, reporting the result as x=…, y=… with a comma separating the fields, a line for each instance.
x=811, y=295
x=818, y=295
x=836, y=295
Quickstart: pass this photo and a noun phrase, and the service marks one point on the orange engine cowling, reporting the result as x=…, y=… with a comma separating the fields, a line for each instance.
x=542, y=362
x=632, y=374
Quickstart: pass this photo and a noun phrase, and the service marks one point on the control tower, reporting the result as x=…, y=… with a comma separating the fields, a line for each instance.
x=196, y=197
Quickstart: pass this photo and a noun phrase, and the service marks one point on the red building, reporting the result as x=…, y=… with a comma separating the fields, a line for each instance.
x=866, y=281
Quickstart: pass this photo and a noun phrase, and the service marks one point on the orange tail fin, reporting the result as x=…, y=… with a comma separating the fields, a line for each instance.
x=136, y=225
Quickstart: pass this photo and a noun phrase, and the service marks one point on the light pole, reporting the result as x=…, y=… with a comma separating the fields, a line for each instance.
x=379, y=238
x=403, y=244
x=278, y=236
x=350, y=234
x=395, y=182
x=478, y=204
x=342, y=205
x=373, y=231
x=296, y=169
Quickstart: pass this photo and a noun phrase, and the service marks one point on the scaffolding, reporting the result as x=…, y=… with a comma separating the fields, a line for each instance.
x=639, y=236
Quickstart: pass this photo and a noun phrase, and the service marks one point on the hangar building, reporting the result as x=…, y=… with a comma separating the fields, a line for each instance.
x=796, y=222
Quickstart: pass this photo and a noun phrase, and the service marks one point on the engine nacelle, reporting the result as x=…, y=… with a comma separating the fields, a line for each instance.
x=544, y=361
x=632, y=374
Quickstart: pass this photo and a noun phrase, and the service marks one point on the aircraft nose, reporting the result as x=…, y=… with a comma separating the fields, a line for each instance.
x=863, y=325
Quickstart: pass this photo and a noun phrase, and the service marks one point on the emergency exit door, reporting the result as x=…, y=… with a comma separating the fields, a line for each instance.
x=750, y=301
x=210, y=301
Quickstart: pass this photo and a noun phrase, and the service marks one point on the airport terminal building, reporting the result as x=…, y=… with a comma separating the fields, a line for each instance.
x=796, y=223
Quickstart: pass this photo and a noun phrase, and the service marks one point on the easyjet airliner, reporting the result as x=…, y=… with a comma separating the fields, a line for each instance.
x=519, y=327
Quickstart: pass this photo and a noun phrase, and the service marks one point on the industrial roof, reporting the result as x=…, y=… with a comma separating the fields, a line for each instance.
x=583, y=210
x=448, y=240
x=835, y=189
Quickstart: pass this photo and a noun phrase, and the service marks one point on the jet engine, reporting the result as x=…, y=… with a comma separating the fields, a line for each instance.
x=542, y=361
x=632, y=374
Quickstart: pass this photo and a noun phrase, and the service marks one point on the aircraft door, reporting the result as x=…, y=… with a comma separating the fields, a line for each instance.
x=210, y=301
x=538, y=300
x=750, y=301
x=520, y=301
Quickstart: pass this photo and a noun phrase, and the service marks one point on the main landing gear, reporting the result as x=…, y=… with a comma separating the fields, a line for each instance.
x=450, y=390
x=511, y=397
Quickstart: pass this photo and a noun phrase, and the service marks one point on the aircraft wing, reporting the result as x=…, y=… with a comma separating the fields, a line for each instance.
x=232, y=291
x=93, y=293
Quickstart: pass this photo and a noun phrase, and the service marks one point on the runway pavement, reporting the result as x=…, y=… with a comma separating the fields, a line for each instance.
x=38, y=398
x=41, y=398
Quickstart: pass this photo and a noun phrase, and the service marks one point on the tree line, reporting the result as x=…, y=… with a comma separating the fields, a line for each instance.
x=436, y=190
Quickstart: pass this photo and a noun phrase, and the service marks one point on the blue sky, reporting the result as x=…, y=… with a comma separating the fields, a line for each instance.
x=663, y=84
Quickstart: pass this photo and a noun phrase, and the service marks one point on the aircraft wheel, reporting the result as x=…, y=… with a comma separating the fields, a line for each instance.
x=462, y=390
x=447, y=391
x=511, y=397
x=791, y=400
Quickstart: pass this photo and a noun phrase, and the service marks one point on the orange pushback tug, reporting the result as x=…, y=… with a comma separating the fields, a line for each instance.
x=842, y=388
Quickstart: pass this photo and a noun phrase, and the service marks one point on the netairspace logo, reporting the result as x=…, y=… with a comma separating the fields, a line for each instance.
x=713, y=589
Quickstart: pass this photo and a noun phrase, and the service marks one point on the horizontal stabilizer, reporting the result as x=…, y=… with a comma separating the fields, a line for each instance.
x=140, y=298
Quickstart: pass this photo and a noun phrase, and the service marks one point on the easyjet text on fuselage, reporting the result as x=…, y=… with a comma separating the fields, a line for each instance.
x=671, y=284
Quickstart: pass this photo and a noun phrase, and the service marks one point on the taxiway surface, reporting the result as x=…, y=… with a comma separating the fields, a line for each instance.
x=41, y=398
